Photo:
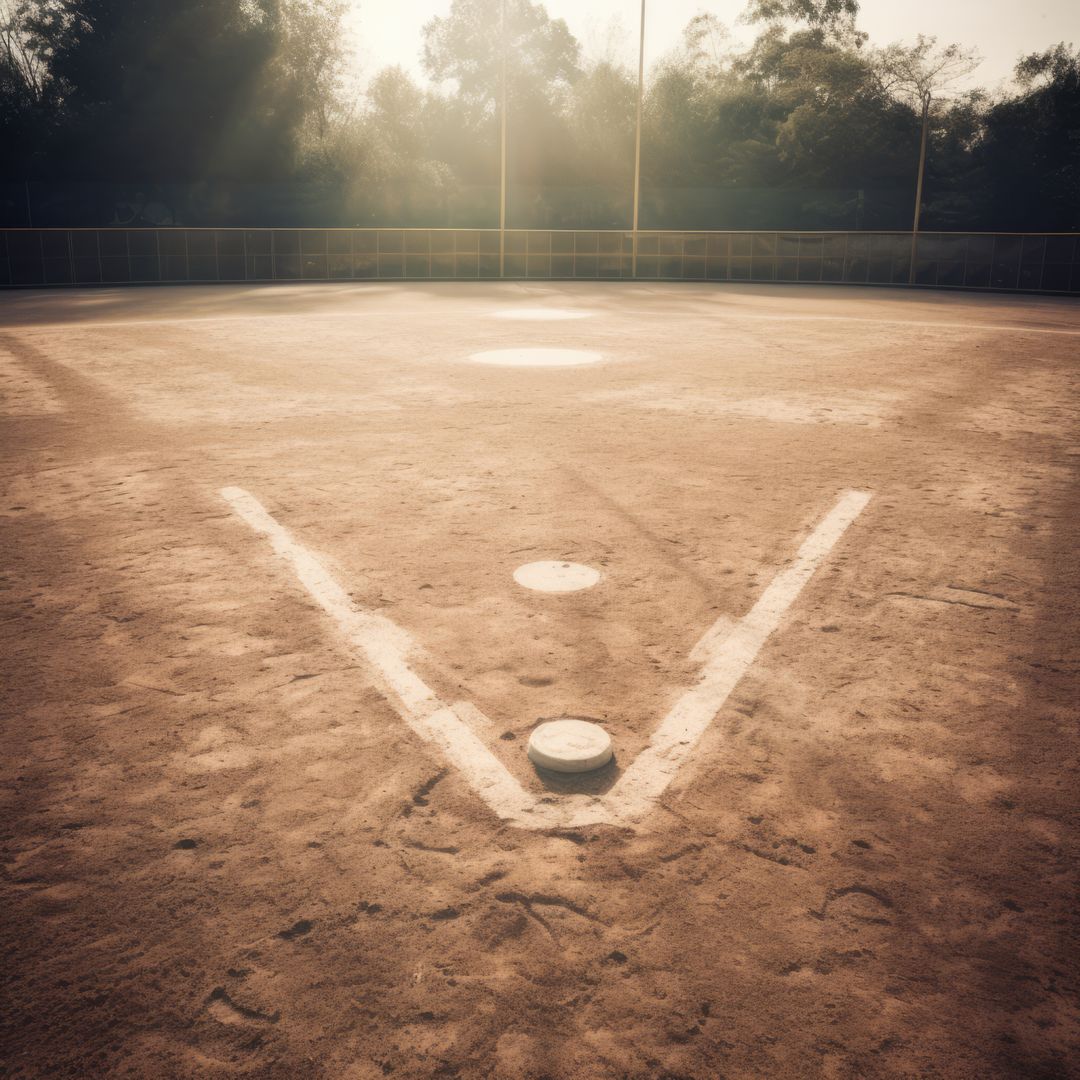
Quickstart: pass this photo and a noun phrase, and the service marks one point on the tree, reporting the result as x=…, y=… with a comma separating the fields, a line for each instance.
x=468, y=46
x=185, y=89
x=399, y=140
x=1057, y=66
x=1029, y=154
x=922, y=72
x=676, y=125
x=919, y=74
x=600, y=118
x=25, y=90
x=471, y=47
x=825, y=18
x=840, y=130
x=20, y=61
x=310, y=56
x=682, y=92
x=777, y=135
x=707, y=45
x=819, y=108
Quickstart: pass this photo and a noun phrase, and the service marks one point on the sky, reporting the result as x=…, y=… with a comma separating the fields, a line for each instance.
x=388, y=32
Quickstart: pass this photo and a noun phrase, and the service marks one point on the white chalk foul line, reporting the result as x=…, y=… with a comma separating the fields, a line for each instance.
x=728, y=649
x=386, y=649
x=728, y=660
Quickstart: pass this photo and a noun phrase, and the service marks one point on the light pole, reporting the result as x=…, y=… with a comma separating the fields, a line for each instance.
x=502, y=141
x=919, y=187
x=637, y=141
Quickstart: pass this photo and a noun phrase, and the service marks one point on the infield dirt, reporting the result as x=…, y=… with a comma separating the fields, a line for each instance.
x=226, y=855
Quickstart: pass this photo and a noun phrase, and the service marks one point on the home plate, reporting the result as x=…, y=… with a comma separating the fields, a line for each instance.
x=570, y=746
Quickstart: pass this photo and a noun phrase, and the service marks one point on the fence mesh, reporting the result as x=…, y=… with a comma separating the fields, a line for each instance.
x=1030, y=262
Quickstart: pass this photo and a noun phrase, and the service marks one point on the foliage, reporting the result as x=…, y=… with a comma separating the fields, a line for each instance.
x=467, y=45
x=1029, y=152
x=922, y=72
x=808, y=126
x=27, y=108
x=145, y=89
x=825, y=18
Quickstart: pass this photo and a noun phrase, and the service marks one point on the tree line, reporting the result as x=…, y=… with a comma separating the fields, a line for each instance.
x=241, y=112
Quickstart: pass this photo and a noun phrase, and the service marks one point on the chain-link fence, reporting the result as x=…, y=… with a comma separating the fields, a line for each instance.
x=1031, y=263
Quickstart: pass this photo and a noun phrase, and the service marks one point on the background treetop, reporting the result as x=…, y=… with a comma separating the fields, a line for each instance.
x=241, y=111
x=467, y=46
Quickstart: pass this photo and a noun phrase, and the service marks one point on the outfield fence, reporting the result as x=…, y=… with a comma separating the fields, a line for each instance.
x=1048, y=263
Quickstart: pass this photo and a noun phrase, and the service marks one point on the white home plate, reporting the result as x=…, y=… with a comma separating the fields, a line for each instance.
x=571, y=746
x=556, y=576
x=541, y=314
x=537, y=357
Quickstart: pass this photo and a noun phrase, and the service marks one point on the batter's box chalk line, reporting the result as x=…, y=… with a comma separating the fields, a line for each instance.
x=726, y=650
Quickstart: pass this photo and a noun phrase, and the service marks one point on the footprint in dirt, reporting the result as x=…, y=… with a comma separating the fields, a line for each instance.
x=298, y=929
x=224, y=1009
x=420, y=796
x=859, y=902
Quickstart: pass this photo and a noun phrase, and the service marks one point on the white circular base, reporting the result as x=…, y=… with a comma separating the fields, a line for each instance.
x=537, y=357
x=556, y=577
x=570, y=746
x=541, y=314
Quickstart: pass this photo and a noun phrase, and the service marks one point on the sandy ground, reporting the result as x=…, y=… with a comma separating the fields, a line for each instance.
x=225, y=853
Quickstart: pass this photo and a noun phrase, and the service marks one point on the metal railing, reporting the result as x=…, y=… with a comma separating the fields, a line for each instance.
x=1002, y=261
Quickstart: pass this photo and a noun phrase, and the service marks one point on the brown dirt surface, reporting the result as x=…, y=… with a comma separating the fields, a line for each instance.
x=225, y=853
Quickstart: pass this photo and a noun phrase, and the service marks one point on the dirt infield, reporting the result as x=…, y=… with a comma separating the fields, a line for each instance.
x=268, y=681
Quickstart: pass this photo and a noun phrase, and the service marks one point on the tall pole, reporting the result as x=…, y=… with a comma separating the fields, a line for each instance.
x=637, y=140
x=502, y=142
x=919, y=187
